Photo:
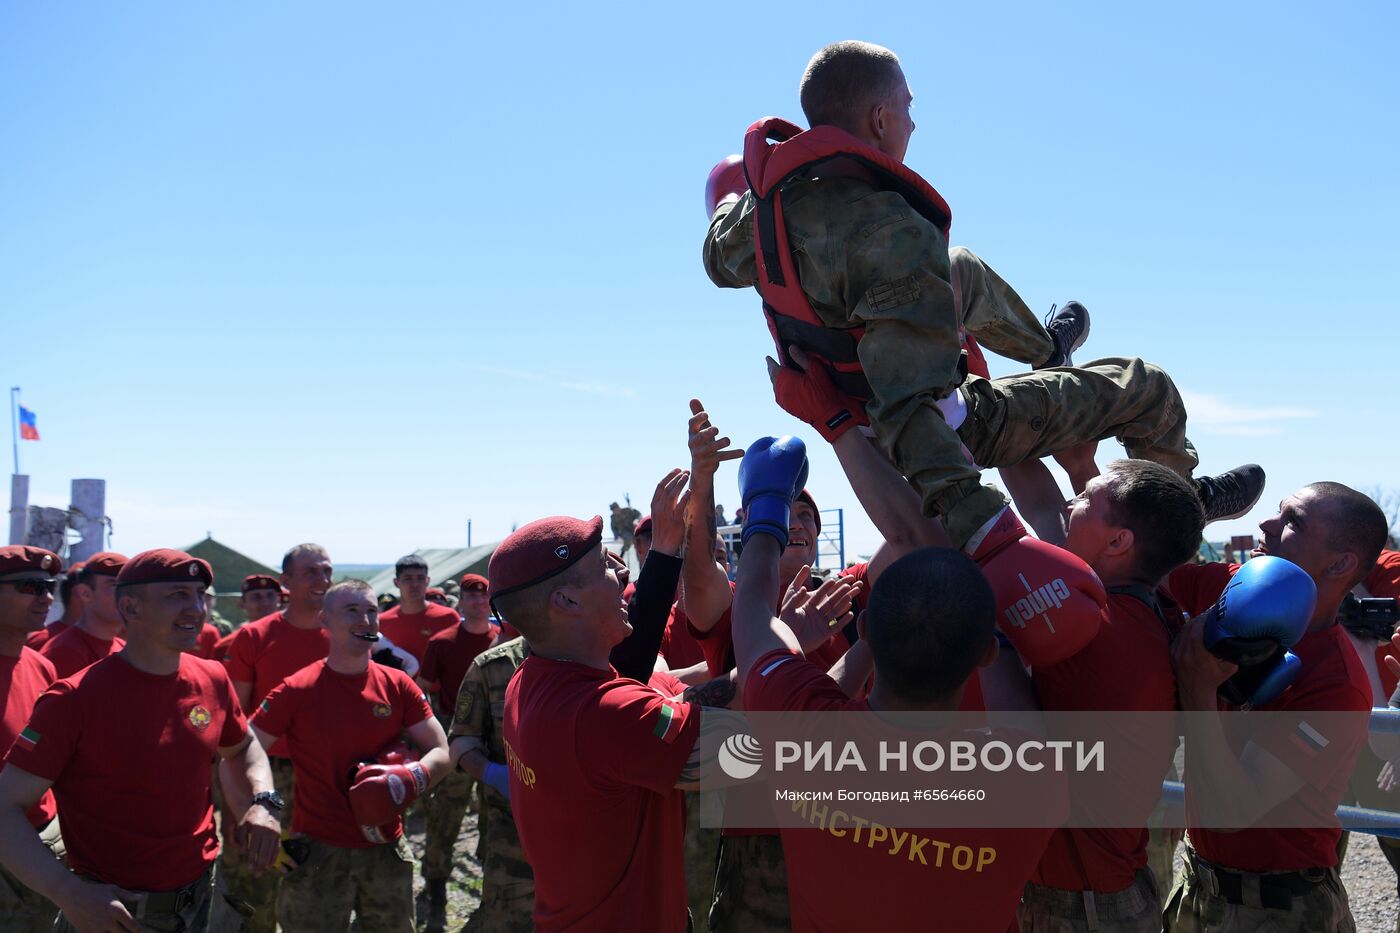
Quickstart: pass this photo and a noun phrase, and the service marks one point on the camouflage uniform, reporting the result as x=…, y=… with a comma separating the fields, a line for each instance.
x=866, y=258
x=224, y=626
x=375, y=882
x=239, y=894
x=1193, y=908
x=443, y=811
x=508, y=882
x=751, y=892
x=1135, y=909
x=163, y=913
x=701, y=853
x=25, y=909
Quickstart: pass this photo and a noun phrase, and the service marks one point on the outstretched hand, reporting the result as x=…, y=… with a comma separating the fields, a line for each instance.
x=813, y=615
x=668, y=512
x=707, y=449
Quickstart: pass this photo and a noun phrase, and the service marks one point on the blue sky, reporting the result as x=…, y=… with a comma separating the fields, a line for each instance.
x=343, y=273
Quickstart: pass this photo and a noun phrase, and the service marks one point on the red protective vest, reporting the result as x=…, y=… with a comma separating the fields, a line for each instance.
x=776, y=152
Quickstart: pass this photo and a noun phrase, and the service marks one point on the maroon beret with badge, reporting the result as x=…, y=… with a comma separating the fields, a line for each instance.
x=643, y=526
x=105, y=563
x=260, y=581
x=165, y=565
x=805, y=496
x=474, y=581
x=542, y=549
x=22, y=562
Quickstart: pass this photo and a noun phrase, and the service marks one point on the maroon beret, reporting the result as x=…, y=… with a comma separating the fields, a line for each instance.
x=474, y=581
x=23, y=562
x=542, y=549
x=805, y=496
x=165, y=565
x=105, y=563
x=260, y=581
x=643, y=526
x=435, y=591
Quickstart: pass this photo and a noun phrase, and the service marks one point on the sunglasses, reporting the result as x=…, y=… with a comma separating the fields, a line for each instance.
x=35, y=587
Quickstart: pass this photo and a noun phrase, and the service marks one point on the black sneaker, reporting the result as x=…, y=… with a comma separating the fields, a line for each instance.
x=1068, y=327
x=1231, y=494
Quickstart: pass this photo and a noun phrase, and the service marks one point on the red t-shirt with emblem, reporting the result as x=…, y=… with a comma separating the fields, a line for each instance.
x=129, y=756
x=411, y=631
x=449, y=654
x=331, y=722
x=1127, y=667
x=1332, y=680
x=23, y=680
x=73, y=650
x=837, y=881
x=594, y=759
x=266, y=652
x=40, y=638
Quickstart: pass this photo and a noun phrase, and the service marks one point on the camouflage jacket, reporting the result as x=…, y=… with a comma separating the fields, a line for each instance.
x=481, y=703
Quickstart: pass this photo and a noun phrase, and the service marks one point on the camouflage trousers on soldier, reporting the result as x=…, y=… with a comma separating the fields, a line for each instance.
x=751, y=893
x=701, y=853
x=375, y=883
x=443, y=811
x=22, y=909
x=507, y=880
x=243, y=901
x=1195, y=907
x=990, y=310
x=1135, y=909
x=1019, y=418
x=185, y=912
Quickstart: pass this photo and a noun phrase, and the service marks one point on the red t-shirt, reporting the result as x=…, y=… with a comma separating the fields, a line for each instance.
x=220, y=650
x=75, y=649
x=839, y=882
x=718, y=645
x=1127, y=667
x=266, y=652
x=449, y=654
x=678, y=646
x=412, y=631
x=331, y=722
x=1332, y=680
x=594, y=759
x=22, y=681
x=1384, y=580
x=128, y=754
x=208, y=637
x=40, y=638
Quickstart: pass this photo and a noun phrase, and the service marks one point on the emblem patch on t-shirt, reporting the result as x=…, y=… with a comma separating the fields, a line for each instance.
x=382, y=711
x=27, y=739
x=668, y=723
x=199, y=718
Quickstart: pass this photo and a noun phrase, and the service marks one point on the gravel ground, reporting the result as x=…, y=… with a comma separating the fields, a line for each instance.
x=464, y=890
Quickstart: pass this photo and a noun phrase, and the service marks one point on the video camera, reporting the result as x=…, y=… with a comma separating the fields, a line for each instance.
x=1373, y=617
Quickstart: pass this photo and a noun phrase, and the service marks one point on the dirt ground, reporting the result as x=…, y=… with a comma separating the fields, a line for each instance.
x=464, y=890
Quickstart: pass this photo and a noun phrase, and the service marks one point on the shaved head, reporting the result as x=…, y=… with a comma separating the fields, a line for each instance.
x=845, y=80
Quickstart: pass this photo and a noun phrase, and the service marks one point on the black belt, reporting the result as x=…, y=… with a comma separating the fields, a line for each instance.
x=170, y=903
x=1276, y=891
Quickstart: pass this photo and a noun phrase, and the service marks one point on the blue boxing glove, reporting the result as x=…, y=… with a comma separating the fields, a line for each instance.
x=497, y=776
x=772, y=473
x=1264, y=611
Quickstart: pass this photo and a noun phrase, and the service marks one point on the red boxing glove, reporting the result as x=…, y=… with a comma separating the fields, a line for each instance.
x=1050, y=604
x=381, y=792
x=726, y=182
x=380, y=835
x=812, y=397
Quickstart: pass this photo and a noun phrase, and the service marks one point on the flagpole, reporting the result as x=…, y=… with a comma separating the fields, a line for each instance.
x=14, y=423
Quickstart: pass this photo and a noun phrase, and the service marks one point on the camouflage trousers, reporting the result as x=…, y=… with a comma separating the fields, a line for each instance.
x=701, y=853
x=751, y=892
x=376, y=883
x=163, y=913
x=991, y=311
x=1135, y=909
x=443, y=811
x=244, y=901
x=507, y=880
x=22, y=908
x=1193, y=908
x=1019, y=418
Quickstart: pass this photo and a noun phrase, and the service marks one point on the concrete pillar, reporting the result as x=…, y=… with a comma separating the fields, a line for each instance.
x=89, y=518
x=19, y=507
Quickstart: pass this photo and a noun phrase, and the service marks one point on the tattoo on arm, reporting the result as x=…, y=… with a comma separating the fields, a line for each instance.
x=715, y=693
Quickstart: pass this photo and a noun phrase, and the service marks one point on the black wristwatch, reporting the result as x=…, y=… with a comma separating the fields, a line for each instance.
x=271, y=801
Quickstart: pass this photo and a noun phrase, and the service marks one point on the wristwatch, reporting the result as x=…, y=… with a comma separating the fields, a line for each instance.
x=271, y=801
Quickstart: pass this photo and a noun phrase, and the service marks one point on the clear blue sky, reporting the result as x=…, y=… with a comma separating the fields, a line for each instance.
x=355, y=274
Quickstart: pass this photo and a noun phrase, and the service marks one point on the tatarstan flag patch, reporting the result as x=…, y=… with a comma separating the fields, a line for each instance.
x=668, y=722
x=27, y=739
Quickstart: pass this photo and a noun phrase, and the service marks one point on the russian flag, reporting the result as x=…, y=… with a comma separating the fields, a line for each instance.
x=28, y=429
